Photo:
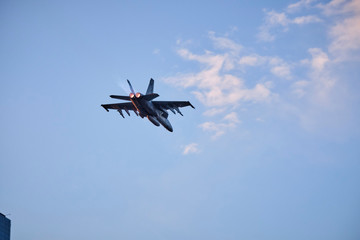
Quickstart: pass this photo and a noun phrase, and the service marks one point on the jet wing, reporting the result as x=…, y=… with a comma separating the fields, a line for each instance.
x=171, y=105
x=121, y=106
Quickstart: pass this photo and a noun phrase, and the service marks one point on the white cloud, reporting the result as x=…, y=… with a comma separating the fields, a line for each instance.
x=345, y=33
x=344, y=45
x=191, y=148
x=275, y=18
x=219, y=88
x=214, y=85
x=272, y=19
x=319, y=59
x=217, y=128
x=230, y=121
x=321, y=80
x=281, y=71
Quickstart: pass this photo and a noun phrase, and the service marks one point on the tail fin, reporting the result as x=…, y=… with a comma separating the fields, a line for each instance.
x=150, y=88
x=131, y=88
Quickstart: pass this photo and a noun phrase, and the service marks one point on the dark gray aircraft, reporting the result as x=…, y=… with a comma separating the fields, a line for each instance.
x=143, y=106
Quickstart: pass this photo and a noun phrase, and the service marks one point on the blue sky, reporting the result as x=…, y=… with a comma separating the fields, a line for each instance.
x=270, y=152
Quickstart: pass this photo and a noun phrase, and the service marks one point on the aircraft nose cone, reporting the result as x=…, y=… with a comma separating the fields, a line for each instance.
x=169, y=128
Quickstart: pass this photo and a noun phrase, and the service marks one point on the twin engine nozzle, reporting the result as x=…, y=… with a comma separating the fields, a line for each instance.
x=137, y=95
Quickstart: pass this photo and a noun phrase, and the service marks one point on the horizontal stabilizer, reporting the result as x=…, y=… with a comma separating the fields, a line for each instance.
x=149, y=97
x=120, y=97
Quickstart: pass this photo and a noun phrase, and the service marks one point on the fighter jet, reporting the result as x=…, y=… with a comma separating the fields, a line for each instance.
x=143, y=106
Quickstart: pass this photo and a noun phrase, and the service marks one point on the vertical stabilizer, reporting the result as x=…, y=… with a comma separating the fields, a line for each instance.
x=150, y=88
x=131, y=88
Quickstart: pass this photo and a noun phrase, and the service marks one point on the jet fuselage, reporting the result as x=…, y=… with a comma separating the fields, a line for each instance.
x=143, y=106
x=147, y=109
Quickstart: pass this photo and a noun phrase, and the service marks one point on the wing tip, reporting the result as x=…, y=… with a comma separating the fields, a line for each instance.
x=191, y=105
x=105, y=108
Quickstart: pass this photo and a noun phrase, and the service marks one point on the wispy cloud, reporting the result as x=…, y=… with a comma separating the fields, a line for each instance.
x=280, y=20
x=277, y=66
x=294, y=7
x=191, y=148
x=320, y=80
x=230, y=121
x=252, y=60
x=333, y=7
x=310, y=85
x=225, y=43
x=321, y=75
x=345, y=34
x=299, y=88
x=215, y=85
x=305, y=19
x=214, y=111
x=259, y=119
x=156, y=51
